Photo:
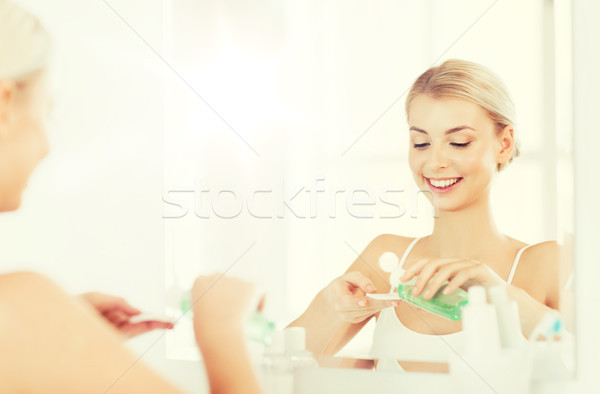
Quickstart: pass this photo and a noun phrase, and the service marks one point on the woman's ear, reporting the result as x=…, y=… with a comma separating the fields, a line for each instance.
x=506, y=139
x=7, y=93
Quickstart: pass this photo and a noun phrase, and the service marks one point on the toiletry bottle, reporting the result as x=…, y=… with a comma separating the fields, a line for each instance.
x=259, y=328
x=479, y=324
x=507, y=314
x=275, y=367
x=299, y=356
x=445, y=305
x=295, y=348
x=483, y=367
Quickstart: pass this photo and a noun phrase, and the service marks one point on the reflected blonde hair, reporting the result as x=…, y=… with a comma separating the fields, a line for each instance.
x=25, y=45
x=472, y=82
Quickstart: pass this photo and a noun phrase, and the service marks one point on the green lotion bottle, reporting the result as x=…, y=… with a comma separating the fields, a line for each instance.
x=444, y=305
x=448, y=306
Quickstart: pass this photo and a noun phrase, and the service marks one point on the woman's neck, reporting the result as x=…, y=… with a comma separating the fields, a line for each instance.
x=469, y=232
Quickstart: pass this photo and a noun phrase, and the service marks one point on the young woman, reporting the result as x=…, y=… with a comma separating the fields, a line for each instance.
x=461, y=133
x=52, y=342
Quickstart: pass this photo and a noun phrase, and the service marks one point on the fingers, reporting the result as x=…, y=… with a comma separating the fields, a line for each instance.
x=417, y=268
x=362, y=303
x=116, y=317
x=443, y=274
x=460, y=279
x=124, y=306
x=104, y=303
x=356, y=309
x=425, y=273
x=132, y=330
x=432, y=274
x=359, y=280
x=347, y=295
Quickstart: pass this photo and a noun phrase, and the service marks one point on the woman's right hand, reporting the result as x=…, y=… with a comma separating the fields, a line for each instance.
x=221, y=306
x=347, y=296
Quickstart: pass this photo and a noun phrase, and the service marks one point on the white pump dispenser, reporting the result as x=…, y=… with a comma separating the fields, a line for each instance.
x=507, y=313
x=276, y=372
x=479, y=323
x=295, y=348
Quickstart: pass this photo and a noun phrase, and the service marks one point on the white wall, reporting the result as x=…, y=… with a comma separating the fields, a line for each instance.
x=91, y=217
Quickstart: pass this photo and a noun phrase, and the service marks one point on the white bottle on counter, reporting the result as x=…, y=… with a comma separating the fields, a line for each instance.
x=295, y=348
x=484, y=367
x=479, y=324
x=507, y=314
x=302, y=360
x=275, y=368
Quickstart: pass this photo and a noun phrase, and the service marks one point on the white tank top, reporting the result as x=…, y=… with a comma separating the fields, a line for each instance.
x=393, y=341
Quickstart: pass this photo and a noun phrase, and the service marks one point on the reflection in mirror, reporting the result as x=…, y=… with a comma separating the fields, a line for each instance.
x=300, y=155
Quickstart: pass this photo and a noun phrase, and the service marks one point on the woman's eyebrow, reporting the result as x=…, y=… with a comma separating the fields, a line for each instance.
x=449, y=131
x=459, y=128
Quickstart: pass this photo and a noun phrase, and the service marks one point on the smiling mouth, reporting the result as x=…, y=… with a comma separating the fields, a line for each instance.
x=443, y=184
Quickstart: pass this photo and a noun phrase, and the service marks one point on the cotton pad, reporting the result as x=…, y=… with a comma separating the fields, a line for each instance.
x=143, y=317
x=388, y=261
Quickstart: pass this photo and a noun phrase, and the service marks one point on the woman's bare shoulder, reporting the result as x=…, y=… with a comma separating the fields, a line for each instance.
x=548, y=250
x=14, y=284
x=541, y=261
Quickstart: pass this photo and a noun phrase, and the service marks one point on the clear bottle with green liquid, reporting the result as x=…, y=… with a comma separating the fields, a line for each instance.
x=444, y=305
x=448, y=306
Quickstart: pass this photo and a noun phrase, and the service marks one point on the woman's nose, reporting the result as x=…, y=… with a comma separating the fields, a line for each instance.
x=438, y=158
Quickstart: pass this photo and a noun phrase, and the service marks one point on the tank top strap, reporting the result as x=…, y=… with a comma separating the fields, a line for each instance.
x=407, y=251
x=516, y=263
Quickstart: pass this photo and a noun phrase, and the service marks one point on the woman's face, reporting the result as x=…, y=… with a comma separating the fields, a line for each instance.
x=23, y=144
x=453, y=152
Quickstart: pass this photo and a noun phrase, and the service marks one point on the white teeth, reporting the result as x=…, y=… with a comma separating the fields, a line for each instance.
x=443, y=183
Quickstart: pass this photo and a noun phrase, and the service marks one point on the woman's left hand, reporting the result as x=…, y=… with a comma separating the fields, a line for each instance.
x=459, y=271
x=117, y=312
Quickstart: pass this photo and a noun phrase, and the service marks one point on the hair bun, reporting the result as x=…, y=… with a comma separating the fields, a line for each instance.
x=24, y=43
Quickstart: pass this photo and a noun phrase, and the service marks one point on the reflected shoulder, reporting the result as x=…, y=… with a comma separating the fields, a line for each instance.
x=543, y=256
x=544, y=250
x=542, y=262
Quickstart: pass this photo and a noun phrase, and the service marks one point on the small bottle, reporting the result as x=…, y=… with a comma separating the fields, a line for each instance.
x=295, y=348
x=259, y=328
x=445, y=305
x=479, y=323
x=275, y=367
x=507, y=313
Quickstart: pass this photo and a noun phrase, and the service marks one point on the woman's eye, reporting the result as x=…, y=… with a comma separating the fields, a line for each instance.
x=459, y=145
x=421, y=146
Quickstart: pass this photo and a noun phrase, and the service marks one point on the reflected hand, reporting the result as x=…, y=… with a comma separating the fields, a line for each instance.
x=458, y=271
x=117, y=312
x=346, y=295
x=221, y=306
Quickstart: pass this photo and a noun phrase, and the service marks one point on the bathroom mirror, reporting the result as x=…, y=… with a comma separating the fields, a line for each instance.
x=286, y=141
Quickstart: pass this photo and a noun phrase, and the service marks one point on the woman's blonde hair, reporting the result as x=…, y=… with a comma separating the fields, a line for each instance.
x=24, y=43
x=472, y=82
